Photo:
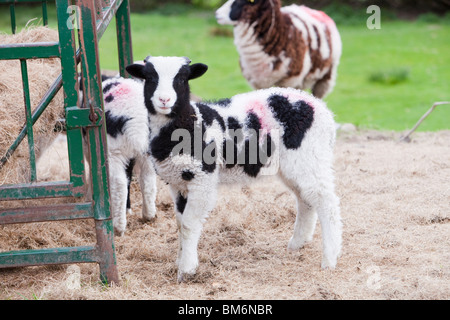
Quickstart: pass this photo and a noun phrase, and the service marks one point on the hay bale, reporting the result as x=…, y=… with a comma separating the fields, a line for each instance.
x=41, y=74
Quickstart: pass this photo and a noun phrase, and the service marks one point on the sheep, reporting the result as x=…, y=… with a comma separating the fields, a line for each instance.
x=195, y=146
x=126, y=120
x=292, y=46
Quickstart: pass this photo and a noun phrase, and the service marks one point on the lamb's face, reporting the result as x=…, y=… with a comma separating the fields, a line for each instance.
x=166, y=81
x=234, y=10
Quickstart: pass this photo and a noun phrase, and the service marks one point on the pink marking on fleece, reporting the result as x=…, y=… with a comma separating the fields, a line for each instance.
x=320, y=16
x=261, y=110
x=121, y=90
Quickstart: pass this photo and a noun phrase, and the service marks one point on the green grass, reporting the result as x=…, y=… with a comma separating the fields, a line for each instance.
x=387, y=78
x=418, y=52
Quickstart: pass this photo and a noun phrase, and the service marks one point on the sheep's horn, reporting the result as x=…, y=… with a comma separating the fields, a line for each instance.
x=146, y=59
x=187, y=60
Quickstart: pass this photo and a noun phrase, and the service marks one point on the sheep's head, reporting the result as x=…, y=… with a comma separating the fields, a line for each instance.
x=166, y=81
x=234, y=11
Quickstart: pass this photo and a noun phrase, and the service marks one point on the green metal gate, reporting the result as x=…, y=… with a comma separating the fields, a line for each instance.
x=94, y=18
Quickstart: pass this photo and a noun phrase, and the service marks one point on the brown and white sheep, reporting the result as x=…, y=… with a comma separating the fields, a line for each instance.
x=292, y=46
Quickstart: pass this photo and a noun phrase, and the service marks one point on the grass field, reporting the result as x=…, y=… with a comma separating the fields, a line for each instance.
x=387, y=78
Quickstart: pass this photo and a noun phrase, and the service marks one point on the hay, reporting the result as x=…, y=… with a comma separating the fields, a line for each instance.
x=395, y=205
x=41, y=73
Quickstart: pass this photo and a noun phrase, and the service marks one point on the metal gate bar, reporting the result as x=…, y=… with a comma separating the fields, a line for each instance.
x=94, y=19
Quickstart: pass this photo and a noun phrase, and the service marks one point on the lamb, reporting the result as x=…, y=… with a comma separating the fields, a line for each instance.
x=126, y=119
x=195, y=146
x=292, y=46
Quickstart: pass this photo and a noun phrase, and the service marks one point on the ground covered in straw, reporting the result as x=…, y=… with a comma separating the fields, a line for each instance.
x=395, y=202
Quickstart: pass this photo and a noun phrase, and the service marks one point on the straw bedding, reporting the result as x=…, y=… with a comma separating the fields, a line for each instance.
x=395, y=205
x=41, y=73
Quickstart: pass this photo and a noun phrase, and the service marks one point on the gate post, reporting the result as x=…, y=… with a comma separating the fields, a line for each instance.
x=93, y=99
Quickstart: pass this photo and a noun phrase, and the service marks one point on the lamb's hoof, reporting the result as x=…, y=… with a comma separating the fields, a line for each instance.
x=328, y=265
x=185, y=276
x=118, y=233
x=295, y=245
x=149, y=218
x=148, y=215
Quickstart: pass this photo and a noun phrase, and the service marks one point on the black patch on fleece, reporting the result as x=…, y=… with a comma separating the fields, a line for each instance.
x=229, y=146
x=105, y=77
x=233, y=123
x=114, y=125
x=252, y=165
x=252, y=122
x=296, y=119
x=187, y=175
x=181, y=203
x=109, y=86
x=162, y=145
x=255, y=155
x=224, y=103
x=129, y=171
x=181, y=87
x=209, y=115
x=208, y=167
x=150, y=85
x=109, y=98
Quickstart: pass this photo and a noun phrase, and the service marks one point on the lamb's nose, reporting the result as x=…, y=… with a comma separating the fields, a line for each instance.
x=164, y=100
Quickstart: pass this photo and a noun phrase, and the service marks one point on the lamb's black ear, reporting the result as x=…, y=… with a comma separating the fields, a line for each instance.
x=197, y=70
x=136, y=70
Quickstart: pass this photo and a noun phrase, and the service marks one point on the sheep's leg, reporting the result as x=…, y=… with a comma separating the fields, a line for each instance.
x=330, y=220
x=199, y=202
x=324, y=86
x=147, y=181
x=129, y=171
x=175, y=193
x=323, y=199
x=118, y=187
x=316, y=187
x=305, y=224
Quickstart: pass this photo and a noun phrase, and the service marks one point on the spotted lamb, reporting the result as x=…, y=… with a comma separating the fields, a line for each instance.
x=127, y=126
x=292, y=46
x=195, y=147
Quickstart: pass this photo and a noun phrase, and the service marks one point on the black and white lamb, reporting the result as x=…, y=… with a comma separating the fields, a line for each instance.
x=195, y=147
x=292, y=46
x=127, y=126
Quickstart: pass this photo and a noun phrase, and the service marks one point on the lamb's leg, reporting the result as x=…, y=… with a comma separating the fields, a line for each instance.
x=306, y=218
x=147, y=181
x=330, y=220
x=324, y=200
x=305, y=224
x=198, y=203
x=324, y=86
x=118, y=188
x=129, y=172
x=316, y=187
